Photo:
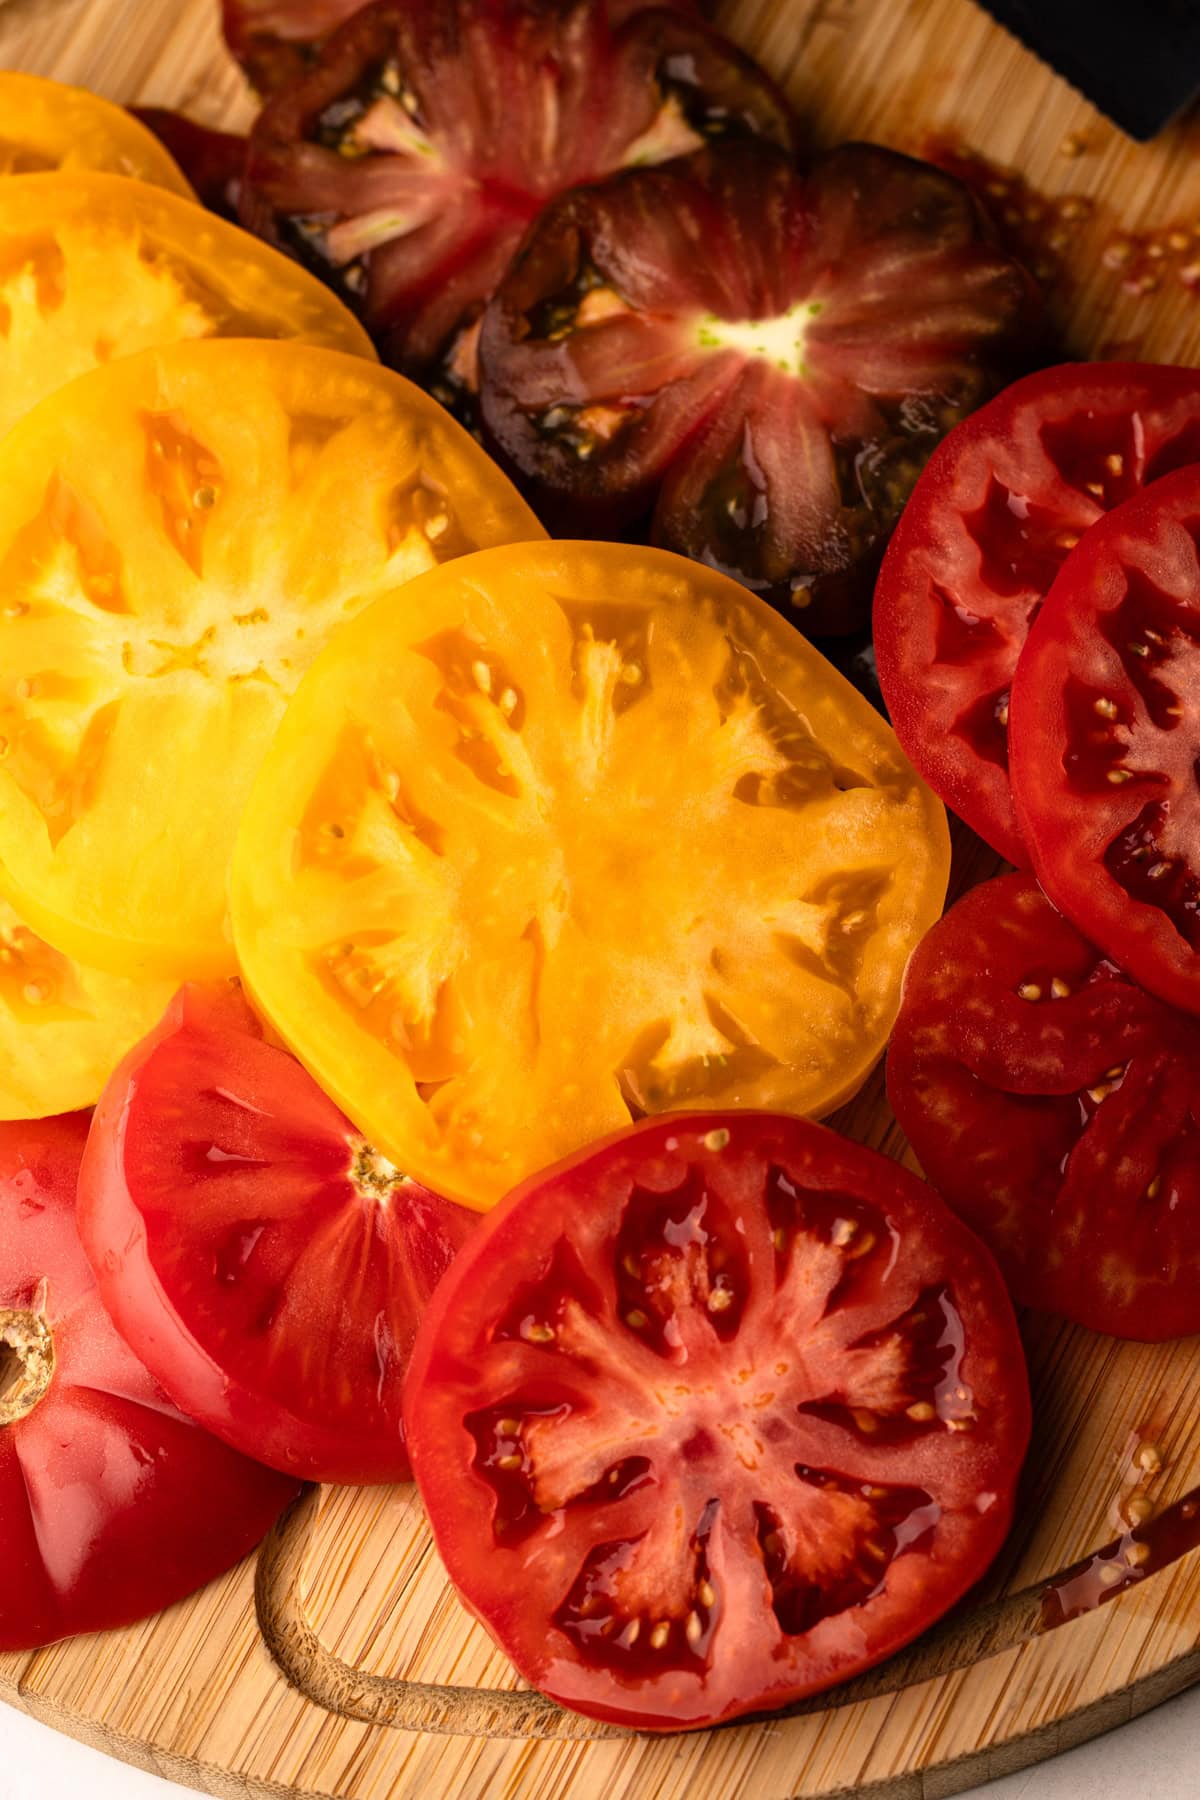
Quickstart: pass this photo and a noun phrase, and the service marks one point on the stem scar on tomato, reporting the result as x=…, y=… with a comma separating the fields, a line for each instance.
x=27, y=1361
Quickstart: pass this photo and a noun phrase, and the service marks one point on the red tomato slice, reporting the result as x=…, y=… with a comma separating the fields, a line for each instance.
x=112, y=1504
x=1056, y=1106
x=1106, y=738
x=722, y=1411
x=265, y=1263
x=986, y=531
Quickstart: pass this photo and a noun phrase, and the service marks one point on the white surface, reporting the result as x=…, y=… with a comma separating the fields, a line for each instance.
x=1154, y=1758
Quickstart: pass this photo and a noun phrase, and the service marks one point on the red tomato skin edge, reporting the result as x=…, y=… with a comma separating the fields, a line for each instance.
x=198, y=1387
x=442, y=1461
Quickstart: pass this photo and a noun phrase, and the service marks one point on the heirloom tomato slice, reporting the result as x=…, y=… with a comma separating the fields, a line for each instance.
x=277, y=40
x=63, y=1027
x=160, y=600
x=1106, y=738
x=572, y=833
x=409, y=164
x=98, y=267
x=717, y=1414
x=112, y=1504
x=988, y=527
x=1056, y=1106
x=262, y=1260
x=46, y=125
x=759, y=357
x=212, y=160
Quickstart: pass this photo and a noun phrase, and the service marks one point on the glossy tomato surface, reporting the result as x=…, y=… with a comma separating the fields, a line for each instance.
x=47, y=125
x=254, y=1251
x=94, y=268
x=1106, y=738
x=989, y=525
x=112, y=1504
x=570, y=833
x=1056, y=1106
x=162, y=600
x=761, y=358
x=409, y=164
x=715, y=1415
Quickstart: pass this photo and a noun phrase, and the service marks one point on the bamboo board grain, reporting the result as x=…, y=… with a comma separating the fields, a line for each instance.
x=390, y=1690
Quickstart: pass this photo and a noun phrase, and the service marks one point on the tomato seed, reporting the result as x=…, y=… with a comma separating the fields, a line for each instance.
x=1059, y=988
x=1029, y=990
x=706, y=1593
x=716, y=1140
x=921, y=1412
x=636, y=1320
x=694, y=1628
x=660, y=1634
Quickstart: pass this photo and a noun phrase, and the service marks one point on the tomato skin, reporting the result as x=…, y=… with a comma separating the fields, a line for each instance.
x=112, y=1504
x=277, y=1307
x=527, y=1322
x=1105, y=728
x=1055, y=1105
x=987, y=528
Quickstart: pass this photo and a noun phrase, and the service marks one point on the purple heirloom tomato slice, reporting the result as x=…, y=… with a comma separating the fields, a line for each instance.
x=761, y=358
x=254, y=1250
x=213, y=161
x=408, y=165
x=717, y=1413
x=1056, y=1106
x=988, y=527
x=112, y=1504
x=1106, y=738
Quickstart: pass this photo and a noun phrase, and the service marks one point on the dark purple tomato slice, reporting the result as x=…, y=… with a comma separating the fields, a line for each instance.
x=761, y=357
x=1056, y=1106
x=408, y=165
x=988, y=527
x=112, y=1504
x=1106, y=738
x=715, y=1414
x=276, y=40
x=255, y=1252
x=213, y=161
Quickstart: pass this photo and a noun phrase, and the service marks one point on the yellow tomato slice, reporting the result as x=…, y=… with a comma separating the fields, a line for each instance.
x=179, y=534
x=63, y=1027
x=569, y=833
x=97, y=267
x=48, y=125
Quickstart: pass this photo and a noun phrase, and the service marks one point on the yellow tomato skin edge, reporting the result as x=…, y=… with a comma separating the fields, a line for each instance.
x=271, y=982
x=51, y=125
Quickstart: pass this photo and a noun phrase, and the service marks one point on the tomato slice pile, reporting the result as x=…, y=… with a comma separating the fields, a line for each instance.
x=772, y=399
x=991, y=522
x=255, y=1252
x=720, y=1412
x=112, y=1504
x=569, y=833
x=161, y=601
x=409, y=164
x=96, y=267
x=1056, y=1106
x=1106, y=738
x=47, y=125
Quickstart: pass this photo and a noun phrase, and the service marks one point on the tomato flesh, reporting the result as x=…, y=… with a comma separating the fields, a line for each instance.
x=96, y=267
x=409, y=164
x=1106, y=738
x=46, y=125
x=988, y=528
x=772, y=400
x=718, y=1413
x=213, y=160
x=112, y=1504
x=162, y=601
x=1055, y=1105
x=571, y=833
x=254, y=1251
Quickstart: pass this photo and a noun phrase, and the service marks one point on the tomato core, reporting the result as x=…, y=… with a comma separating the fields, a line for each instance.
x=372, y=1175
x=778, y=341
x=26, y=1363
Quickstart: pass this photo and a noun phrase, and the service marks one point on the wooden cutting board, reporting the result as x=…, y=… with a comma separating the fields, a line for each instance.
x=340, y=1664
